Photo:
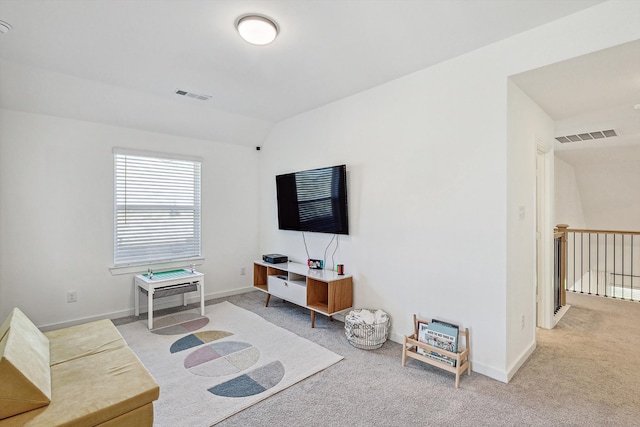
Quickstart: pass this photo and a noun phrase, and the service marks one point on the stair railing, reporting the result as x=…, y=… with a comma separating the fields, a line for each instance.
x=600, y=262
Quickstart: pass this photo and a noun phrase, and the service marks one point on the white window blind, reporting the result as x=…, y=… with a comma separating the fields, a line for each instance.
x=157, y=209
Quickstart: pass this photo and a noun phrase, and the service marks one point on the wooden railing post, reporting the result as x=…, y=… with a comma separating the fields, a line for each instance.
x=562, y=228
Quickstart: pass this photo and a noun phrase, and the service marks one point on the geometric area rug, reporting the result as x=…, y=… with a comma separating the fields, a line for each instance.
x=234, y=361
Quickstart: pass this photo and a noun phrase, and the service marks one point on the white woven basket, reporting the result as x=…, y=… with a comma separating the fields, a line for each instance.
x=365, y=336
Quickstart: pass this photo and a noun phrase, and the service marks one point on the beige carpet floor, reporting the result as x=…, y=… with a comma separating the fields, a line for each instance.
x=585, y=372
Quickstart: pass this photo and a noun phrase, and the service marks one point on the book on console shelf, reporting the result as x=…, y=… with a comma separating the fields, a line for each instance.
x=441, y=335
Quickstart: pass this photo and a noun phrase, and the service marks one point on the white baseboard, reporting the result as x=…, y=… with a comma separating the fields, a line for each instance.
x=166, y=303
x=563, y=310
x=523, y=358
x=489, y=371
x=395, y=337
x=79, y=321
x=476, y=367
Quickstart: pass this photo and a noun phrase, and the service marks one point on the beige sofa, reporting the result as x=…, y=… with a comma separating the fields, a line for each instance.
x=84, y=375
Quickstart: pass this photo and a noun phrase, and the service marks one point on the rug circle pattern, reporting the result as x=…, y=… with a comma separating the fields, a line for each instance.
x=228, y=358
x=197, y=339
x=283, y=359
x=222, y=358
x=179, y=324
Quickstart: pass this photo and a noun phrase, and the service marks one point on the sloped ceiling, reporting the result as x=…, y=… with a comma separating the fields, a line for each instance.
x=120, y=62
x=608, y=181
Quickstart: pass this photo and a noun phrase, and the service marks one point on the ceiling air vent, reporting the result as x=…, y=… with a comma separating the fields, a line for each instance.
x=193, y=95
x=587, y=136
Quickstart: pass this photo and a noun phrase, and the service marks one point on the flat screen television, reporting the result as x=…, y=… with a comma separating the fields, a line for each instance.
x=314, y=200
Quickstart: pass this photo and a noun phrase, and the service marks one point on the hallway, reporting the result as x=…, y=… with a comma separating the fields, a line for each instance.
x=591, y=357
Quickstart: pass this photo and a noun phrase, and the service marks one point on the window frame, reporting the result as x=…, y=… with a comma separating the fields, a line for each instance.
x=122, y=266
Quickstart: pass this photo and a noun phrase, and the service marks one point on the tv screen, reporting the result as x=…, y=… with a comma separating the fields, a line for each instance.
x=313, y=200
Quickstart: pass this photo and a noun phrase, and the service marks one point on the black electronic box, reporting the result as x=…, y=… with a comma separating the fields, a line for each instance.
x=275, y=258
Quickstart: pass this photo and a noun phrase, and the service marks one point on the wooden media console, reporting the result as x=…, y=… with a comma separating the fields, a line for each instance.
x=321, y=291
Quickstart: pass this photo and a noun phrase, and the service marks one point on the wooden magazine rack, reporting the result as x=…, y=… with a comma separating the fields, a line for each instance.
x=411, y=345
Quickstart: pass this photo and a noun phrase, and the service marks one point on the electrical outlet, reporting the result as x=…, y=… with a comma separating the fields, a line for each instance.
x=243, y=271
x=72, y=296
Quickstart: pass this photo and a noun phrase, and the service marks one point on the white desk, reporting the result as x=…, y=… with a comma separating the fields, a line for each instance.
x=164, y=284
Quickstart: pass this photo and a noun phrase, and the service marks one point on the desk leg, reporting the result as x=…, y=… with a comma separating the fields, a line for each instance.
x=136, y=299
x=313, y=319
x=150, y=307
x=202, y=296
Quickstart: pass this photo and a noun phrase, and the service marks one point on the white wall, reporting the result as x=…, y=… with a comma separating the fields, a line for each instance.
x=567, y=202
x=429, y=161
x=610, y=191
x=427, y=170
x=56, y=215
x=528, y=126
x=427, y=204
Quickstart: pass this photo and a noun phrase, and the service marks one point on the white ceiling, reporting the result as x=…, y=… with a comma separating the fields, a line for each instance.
x=593, y=92
x=120, y=62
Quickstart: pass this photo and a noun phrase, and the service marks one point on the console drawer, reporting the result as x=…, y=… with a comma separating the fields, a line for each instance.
x=292, y=291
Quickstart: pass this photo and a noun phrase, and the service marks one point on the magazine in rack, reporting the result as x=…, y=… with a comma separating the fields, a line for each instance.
x=441, y=335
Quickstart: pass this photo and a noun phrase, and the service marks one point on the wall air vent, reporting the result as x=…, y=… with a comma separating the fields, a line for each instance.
x=587, y=136
x=193, y=95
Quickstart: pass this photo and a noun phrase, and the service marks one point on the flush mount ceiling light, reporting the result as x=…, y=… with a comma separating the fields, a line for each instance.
x=257, y=29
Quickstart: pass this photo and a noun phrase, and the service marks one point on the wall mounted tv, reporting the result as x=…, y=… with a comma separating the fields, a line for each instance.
x=314, y=200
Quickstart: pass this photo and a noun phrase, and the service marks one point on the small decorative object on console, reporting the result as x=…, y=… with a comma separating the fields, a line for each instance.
x=315, y=264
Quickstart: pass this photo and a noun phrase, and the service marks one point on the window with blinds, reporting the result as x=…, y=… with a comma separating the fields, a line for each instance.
x=157, y=209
